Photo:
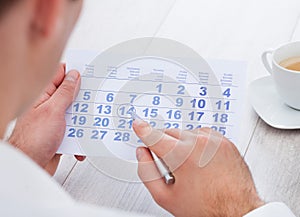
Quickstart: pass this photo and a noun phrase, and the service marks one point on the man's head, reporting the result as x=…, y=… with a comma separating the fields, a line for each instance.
x=33, y=34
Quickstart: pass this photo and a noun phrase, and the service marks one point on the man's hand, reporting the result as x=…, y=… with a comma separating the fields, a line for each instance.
x=211, y=178
x=39, y=132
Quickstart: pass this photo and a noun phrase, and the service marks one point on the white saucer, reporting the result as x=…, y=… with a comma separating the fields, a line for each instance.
x=269, y=106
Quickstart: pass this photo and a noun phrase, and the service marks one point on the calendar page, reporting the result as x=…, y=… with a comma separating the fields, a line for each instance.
x=161, y=90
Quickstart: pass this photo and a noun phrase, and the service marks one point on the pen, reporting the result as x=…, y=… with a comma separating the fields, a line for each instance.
x=163, y=169
x=160, y=164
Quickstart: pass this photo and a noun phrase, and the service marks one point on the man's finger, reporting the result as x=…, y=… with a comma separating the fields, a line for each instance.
x=66, y=92
x=59, y=76
x=149, y=174
x=159, y=142
x=182, y=135
x=174, y=132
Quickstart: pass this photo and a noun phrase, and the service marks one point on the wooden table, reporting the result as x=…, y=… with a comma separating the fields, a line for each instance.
x=232, y=29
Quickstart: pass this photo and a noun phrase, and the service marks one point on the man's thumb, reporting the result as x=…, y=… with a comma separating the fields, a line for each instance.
x=66, y=92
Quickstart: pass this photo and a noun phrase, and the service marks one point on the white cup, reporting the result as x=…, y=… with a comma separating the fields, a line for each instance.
x=287, y=81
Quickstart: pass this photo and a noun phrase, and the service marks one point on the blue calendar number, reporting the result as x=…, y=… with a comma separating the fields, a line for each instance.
x=203, y=91
x=221, y=130
x=196, y=116
x=132, y=97
x=83, y=108
x=104, y=109
x=152, y=123
x=96, y=134
x=75, y=133
x=122, y=137
x=125, y=123
x=156, y=100
x=227, y=92
x=179, y=102
x=153, y=113
x=201, y=103
x=159, y=88
x=192, y=127
x=80, y=120
x=223, y=118
x=220, y=105
x=171, y=125
x=110, y=97
x=123, y=111
x=87, y=95
x=174, y=114
x=101, y=122
x=181, y=90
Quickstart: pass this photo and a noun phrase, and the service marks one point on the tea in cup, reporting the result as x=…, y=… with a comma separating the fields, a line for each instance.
x=284, y=66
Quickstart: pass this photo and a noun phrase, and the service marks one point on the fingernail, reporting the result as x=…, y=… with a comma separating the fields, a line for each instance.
x=139, y=153
x=72, y=76
x=139, y=121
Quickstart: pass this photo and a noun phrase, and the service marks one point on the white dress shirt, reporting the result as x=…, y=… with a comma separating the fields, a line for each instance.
x=26, y=190
x=274, y=209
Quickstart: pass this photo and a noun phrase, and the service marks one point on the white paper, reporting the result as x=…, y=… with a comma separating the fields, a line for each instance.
x=94, y=120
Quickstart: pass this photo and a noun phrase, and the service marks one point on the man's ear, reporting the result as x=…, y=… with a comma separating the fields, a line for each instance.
x=46, y=17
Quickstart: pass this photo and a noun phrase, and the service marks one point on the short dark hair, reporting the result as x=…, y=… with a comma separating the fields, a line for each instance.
x=5, y=5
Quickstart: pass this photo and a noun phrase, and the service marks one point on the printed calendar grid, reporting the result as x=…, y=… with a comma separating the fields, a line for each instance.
x=103, y=128
x=159, y=94
x=170, y=123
